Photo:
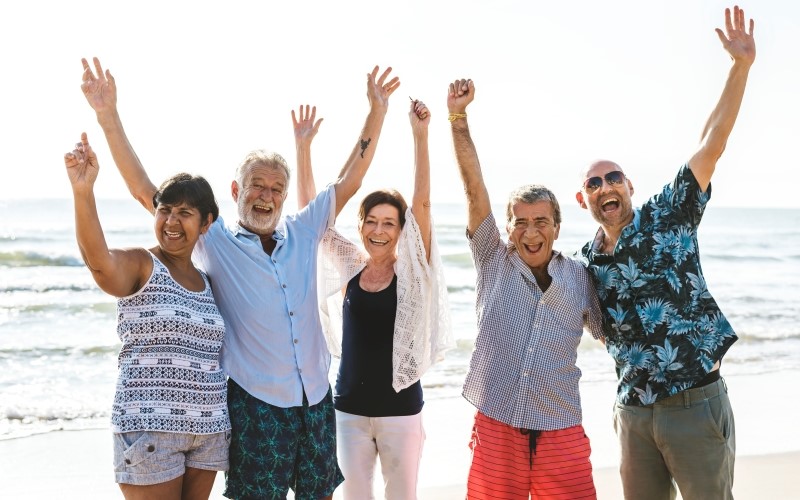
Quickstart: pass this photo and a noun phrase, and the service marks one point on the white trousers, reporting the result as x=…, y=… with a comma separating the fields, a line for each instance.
x=397, y=441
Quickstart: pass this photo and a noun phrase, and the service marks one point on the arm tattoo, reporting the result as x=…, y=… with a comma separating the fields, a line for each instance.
x=364, y=145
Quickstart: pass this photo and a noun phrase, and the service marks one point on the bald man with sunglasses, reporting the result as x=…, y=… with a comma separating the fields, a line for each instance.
x=661, y=324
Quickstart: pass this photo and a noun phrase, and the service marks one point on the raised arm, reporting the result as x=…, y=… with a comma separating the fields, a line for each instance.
x=420, y=118
x=742, y=49
x=305, y=128
x=461, y=93
x=117, y=272
x=100, y=90
x=351, y=175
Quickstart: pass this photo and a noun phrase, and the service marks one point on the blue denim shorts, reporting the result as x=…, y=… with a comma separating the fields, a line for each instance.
x=146, y=457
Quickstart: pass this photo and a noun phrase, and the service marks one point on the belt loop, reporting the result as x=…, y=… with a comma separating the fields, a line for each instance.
x=724, y=384
x=687, y=401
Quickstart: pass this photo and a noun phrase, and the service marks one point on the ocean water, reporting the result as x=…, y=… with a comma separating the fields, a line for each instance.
x=58, y=343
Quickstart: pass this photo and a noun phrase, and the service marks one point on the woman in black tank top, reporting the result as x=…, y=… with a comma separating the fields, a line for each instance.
x=374, y=419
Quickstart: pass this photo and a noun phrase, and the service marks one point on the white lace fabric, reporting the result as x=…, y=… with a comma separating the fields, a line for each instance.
x=422, y=331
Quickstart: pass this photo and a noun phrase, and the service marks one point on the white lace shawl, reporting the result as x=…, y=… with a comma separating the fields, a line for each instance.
x=422, y=330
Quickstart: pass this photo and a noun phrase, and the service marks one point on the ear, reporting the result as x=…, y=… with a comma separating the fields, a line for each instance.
x=630, y=185
x=235, y=190
x=581, y=201
x=558, y=229
x=206, y=224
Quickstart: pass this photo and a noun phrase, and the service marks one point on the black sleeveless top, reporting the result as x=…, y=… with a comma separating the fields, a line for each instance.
x=364, y=382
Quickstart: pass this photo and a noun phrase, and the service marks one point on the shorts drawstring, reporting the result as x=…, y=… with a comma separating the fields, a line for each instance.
x=533, y=435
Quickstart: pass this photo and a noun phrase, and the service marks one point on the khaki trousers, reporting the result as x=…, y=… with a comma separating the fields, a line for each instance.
x=687, y=439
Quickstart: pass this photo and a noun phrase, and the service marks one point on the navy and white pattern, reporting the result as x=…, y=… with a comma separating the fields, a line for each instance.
x=523, y=370
x=170, y=378
x=662, y=326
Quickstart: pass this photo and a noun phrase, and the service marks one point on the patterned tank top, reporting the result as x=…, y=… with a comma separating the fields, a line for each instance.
x=170, y=378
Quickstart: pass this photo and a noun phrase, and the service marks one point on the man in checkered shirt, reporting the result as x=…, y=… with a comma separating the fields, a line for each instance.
x=533, y=304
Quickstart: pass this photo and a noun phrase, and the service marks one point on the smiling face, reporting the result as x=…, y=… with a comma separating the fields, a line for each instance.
x=380, y=230
x=610, y=204
x=178, y=227
x=260, y=198
x=532, y=229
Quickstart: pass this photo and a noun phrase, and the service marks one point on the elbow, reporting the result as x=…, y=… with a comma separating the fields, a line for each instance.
x=346, y=187
x=711, y=150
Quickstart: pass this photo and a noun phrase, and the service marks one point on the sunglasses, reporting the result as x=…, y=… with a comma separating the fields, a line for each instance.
x=613, y=178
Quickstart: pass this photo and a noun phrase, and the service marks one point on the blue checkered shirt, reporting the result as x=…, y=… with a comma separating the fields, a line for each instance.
x=523, y=370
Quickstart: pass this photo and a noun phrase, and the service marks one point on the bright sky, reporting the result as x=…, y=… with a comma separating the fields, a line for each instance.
x=558, y=84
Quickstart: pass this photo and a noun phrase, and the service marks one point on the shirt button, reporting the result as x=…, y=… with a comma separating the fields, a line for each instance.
x=291, y=313
x=296, y=341
x=274, y=261
x=530, y=349
x=151, y=448
x=525, y=374
x=284, y=285
x=299, y=370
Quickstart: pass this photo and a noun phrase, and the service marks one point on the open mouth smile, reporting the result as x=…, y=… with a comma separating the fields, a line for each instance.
x=609, y=204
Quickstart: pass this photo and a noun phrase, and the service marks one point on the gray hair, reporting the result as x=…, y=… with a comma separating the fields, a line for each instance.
x=265, y=158
x=531, y=193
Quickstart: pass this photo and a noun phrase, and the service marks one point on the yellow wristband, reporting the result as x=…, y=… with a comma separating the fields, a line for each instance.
x=455, y=116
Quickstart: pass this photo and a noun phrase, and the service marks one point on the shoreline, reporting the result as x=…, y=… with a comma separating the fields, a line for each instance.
x=78, y=463
x=70, y=464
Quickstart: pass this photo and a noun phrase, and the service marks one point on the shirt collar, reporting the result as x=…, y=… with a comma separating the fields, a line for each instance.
x=597, y=243
x=237, y=230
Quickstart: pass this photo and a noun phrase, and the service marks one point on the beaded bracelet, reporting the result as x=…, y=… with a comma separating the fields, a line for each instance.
x=455, y=116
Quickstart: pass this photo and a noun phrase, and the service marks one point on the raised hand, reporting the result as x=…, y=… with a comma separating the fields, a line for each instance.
x=305, y=127
x=460, y=94
x=736, y=40
x=378, y=91
x=81, y=163
x=99, y=89
x=419, y=115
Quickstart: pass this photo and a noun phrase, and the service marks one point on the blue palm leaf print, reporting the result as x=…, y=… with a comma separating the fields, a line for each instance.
x=631, y=274
x=663, y=243
x=699, y=290
x=647, y=396
x=637, y=356
x=606, y=277
x=653, y=313
x=671, y=275
x=706, y=362
x=667, y=356
x=685, y=240
x=680, y=326
x=618, y=314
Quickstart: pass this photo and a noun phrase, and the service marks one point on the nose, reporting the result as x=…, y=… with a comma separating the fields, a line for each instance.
x=172, y=218
x=605, y=186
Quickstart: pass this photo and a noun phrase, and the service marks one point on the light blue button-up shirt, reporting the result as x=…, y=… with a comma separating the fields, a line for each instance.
x=274, y=347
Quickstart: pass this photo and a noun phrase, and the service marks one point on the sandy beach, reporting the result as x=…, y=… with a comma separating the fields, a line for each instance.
x=77, y=464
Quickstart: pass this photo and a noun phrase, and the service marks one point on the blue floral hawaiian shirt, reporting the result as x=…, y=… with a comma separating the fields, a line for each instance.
x=662, y=327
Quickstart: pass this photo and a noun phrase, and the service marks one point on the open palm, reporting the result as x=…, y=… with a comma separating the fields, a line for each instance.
x=379, y=91
x=98, y=87
x=736, y=40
